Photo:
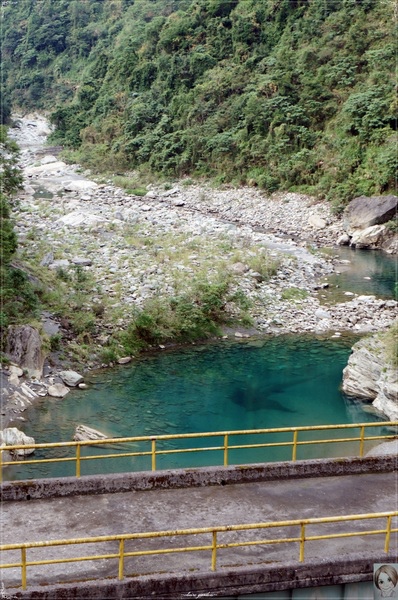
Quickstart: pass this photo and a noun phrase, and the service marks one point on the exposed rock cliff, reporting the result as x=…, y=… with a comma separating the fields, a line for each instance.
x=364, y=220
x=24, y=347
x=372, y=375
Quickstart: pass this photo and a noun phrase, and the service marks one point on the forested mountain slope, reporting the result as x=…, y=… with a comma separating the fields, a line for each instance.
x=283, y=94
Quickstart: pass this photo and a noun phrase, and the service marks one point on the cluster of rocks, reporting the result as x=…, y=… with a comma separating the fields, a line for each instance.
x=137, y=247
x=366, y=223
x=24, y=381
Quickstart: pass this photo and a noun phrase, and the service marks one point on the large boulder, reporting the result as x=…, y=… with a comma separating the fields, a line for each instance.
x=84, y=434
x=371, y=237
x=71, y=378
x=11, y=436
x=364, y=211
x=79, y=185
x=371, y=376
x=58, y=390
x=79, y=218
x=24, y=347
x=46, y=168
x=363, y=370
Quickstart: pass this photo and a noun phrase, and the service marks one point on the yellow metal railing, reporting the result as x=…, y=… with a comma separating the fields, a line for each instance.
x=301, y=538
x=225, y=446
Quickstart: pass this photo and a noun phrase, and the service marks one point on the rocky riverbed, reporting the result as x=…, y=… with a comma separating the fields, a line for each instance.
x=132, y=248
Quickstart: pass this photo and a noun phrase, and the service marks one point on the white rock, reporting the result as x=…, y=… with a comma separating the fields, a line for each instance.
x=369, y=237
x=48, y=159
x=58, y=390
x=81, y=261
x=71, y=378
x=54, y=166
x=343, y=240
x=124, y=360
x=79, y=185
x=12, y=436
x=317, y=222
x=13, y=379
x=76, y=218
x=15, y=370
x=84, y=433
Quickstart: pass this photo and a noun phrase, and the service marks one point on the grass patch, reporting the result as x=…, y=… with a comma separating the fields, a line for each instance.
x=294, y=293
x=391, y=341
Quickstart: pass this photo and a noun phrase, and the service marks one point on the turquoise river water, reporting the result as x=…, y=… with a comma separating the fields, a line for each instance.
x=273, y=382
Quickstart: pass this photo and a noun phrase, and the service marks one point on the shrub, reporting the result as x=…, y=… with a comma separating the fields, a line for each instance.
x=196, y=314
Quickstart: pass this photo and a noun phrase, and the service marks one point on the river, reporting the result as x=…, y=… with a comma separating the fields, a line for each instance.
x=273, y=381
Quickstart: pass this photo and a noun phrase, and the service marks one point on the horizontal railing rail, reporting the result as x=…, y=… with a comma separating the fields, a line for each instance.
x=225, y=446
x=301, y=537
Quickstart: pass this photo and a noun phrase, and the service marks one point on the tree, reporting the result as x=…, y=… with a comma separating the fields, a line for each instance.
x=16, y=294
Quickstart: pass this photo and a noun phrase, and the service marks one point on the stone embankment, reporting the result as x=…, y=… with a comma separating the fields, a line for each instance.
x=135, y=248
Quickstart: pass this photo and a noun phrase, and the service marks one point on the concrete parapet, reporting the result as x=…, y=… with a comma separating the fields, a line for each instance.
x=198, y=477
x=242, y=580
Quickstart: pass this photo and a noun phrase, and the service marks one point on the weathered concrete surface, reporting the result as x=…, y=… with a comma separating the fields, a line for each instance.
x=192, y=507
x=227, y=584
x=199, y=477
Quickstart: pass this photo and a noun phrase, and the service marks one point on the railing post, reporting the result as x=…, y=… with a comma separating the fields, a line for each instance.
x=153, y=454
x=214, y=552
x=362, y=440
x=78, y=460
x=226, y=450
x=23, y=566
x=388, y=533
x=121, y=558
x=294, y=451
x=302, y=540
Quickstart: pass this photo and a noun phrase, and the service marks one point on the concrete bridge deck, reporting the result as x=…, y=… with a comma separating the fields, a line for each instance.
x=191, y=507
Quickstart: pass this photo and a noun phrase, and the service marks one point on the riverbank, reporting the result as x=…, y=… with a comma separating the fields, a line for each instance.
x=126, y=249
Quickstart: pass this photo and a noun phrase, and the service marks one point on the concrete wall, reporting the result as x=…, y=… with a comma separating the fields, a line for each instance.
x=179, y=478
x=293, y=581
x=348, y=591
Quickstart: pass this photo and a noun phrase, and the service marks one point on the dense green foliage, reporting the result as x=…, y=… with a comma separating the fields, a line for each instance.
x=283, y=94
x=196, y=314
x=17, y=297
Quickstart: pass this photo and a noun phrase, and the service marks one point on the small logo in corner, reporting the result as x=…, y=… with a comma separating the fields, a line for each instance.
x=385, y=580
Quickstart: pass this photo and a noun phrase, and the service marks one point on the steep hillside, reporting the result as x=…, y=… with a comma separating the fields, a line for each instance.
x=283, y=94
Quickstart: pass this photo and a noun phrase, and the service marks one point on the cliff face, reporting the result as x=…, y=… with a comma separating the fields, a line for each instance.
x=370, y=375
